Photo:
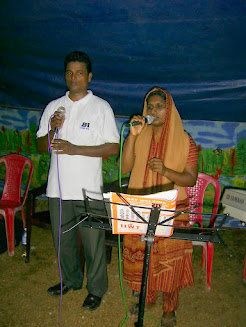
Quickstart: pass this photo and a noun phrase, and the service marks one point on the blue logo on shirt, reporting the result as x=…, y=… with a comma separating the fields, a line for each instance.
x=85, y=125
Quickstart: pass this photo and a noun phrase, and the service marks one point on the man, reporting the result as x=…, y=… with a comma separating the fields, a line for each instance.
x=86, y=133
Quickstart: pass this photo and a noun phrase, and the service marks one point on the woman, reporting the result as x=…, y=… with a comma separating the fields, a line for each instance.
x=160, y=157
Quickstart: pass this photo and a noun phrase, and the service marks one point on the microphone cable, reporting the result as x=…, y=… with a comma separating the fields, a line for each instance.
x=60, y=215
x=49, y=128
x=124, y=320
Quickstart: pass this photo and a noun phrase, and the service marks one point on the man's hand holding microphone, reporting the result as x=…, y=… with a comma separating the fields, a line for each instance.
x=58, y=145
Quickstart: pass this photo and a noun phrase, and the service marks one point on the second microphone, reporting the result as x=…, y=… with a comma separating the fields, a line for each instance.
x=148, y=120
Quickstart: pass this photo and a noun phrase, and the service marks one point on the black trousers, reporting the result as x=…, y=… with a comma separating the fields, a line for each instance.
x=93, y=241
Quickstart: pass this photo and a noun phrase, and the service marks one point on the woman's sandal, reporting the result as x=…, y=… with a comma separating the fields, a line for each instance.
x=169, y=322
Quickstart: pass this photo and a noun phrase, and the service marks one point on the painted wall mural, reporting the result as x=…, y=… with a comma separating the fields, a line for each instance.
x=222, y=147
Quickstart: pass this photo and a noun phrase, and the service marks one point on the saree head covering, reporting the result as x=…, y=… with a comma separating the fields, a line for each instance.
x=170, y=266
x=172, y=149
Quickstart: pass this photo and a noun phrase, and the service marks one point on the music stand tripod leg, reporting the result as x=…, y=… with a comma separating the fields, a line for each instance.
x=149, y=238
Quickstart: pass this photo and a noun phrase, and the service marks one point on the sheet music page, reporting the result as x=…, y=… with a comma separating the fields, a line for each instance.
x=132, y=224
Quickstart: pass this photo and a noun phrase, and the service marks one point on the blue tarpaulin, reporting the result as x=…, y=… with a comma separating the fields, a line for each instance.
x=196, y=49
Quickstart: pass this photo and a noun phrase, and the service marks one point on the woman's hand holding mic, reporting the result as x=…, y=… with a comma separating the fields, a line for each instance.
x=137, y=123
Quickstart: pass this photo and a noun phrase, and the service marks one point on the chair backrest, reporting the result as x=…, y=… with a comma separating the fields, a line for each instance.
x=15, y=165
x=195, y=196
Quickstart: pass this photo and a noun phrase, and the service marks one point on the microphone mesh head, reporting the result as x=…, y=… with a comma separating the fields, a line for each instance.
x=149, y=119
x=61, y=110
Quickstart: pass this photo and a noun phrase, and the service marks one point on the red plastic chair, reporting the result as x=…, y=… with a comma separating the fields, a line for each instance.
x=11, y=200
x=195, y=196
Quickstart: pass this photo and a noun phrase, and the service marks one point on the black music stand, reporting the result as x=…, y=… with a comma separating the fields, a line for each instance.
x=92, y=220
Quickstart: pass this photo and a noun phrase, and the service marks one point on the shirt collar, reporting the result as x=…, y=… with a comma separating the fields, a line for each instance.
x=84, y=100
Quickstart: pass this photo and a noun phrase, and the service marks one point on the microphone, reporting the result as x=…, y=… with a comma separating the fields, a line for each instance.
x=148, y=120
x=62, y=112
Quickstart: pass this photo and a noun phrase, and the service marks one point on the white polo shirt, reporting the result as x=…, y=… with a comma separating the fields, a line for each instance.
x=89, y=121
